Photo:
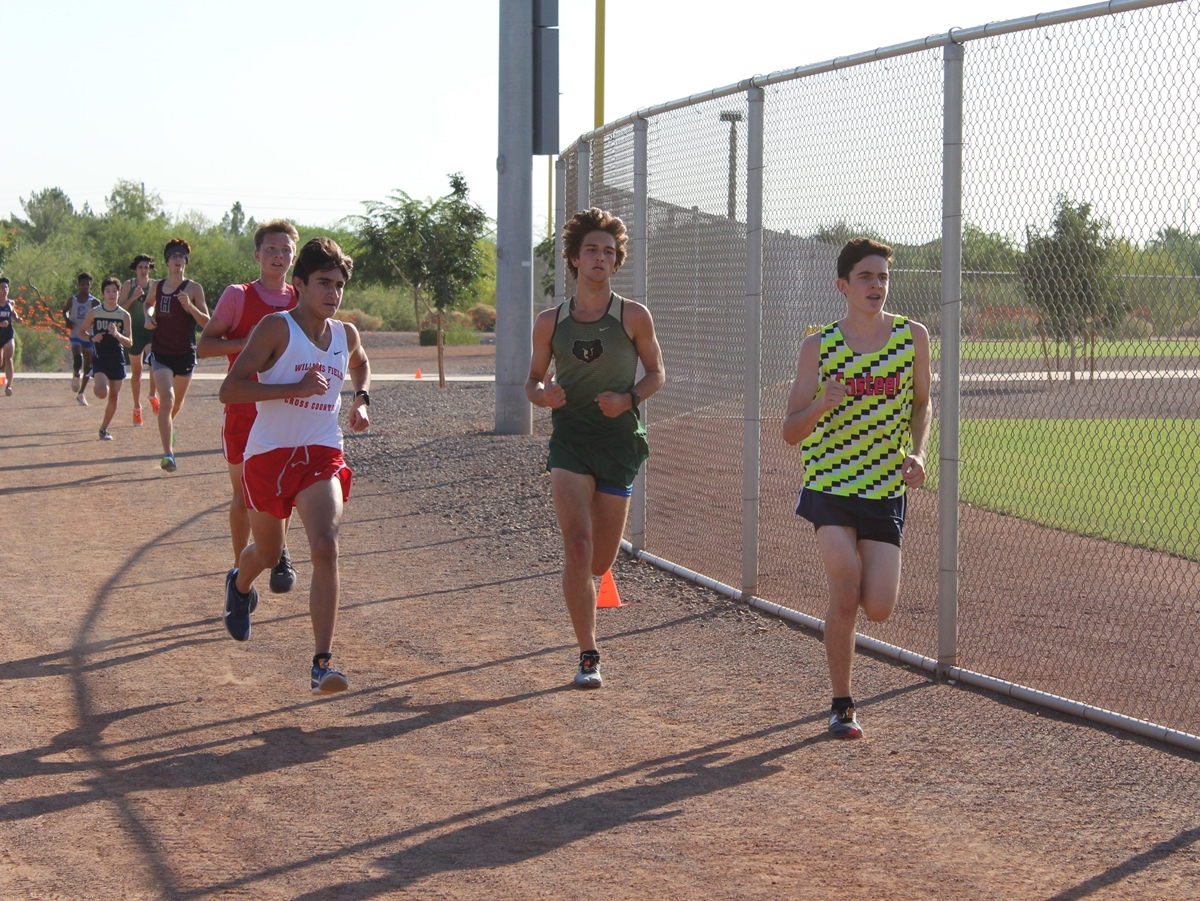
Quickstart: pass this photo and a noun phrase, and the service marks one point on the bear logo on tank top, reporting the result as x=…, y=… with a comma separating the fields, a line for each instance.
x=588, y=351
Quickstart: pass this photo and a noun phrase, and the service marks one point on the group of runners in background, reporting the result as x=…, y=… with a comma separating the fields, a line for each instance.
x=154, y=321
x=288, y=359
x=859, y=408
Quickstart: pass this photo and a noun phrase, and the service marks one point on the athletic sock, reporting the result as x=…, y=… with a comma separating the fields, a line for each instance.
x=842, y=704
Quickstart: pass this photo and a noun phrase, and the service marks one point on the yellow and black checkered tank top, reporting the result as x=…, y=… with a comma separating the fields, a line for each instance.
x=591, y=357
x=858, y=447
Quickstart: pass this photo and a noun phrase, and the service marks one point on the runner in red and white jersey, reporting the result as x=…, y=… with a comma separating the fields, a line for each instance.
x=293, y=367
x=239, y=310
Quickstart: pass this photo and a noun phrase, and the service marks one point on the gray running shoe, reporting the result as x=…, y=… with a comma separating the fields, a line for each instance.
x=105, y=435
x=325, y=679
x=844, y=724
x=588, y=675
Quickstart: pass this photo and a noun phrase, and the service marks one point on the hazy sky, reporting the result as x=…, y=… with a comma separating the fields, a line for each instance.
x=305, y=109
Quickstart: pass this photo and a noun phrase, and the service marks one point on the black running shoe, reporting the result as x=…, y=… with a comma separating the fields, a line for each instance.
x=283, y=577
x=325, y=679
x=238, y=607
x=844, y=724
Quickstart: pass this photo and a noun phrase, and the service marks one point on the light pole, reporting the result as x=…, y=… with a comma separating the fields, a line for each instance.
x=733, y=118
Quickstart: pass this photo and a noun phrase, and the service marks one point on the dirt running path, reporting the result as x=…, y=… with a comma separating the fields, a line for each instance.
x=146, y=755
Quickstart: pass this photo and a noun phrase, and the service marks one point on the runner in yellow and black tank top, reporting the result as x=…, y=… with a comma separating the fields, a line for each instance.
x=858, y=448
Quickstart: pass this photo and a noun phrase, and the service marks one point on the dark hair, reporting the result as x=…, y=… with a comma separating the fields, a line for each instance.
x=139, y=259
x=321, y=255
x=857, y=250
x=275, y=226
x=110, y=281
x=585, y=222
x=174, y=244
x=81, y=276
x=4, y=278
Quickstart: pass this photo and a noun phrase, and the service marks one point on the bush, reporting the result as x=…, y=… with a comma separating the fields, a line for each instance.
x=38, y=351
x=364, y=322
x=393, y=306
x=483, y=317
x=453, y=333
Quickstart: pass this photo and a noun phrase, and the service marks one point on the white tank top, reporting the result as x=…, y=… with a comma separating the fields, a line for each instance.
x=301, y=421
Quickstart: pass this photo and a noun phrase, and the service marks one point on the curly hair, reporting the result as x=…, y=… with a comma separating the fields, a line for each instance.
x=176, y=244
x=584, y=223
x=857, y=250
x=139, y=259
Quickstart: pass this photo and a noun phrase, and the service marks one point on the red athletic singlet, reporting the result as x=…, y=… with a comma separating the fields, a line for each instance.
x=254, y=310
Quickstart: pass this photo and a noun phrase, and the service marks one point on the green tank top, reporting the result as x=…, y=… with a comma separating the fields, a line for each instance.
x=589, y=358
x=858, y=447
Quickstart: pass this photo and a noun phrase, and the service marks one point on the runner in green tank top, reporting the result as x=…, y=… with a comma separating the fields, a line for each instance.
x=860, y=407
x=133, y=298
x=596, y=340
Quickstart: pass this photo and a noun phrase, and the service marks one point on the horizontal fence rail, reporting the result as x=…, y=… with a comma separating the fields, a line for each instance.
x=1039, y=181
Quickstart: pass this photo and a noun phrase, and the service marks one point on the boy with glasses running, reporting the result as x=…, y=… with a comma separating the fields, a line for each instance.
x=175, y=308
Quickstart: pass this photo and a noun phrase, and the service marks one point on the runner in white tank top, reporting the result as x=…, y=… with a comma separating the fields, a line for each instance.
x=300, y=421
x=292, y=368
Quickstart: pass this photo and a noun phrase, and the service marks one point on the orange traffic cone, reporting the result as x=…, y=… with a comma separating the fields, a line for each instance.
x=418, y=375
x=608, y=596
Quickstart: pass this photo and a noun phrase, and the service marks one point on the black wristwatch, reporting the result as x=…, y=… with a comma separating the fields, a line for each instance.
x=365, y=396
x=637, y=398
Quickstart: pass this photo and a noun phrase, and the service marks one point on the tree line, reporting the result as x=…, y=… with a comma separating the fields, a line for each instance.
x=414, y=258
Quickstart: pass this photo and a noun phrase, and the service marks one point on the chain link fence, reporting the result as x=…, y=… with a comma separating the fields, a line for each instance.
x=1059, y=547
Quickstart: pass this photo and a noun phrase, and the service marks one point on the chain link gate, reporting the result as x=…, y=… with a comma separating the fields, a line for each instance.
x=1034, y=179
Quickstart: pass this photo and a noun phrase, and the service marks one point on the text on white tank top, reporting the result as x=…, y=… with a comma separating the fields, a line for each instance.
x=300, y=421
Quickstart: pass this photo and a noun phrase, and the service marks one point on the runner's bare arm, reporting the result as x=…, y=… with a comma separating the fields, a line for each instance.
x=86, y=325
x=913, y=468
x=151, y=308
x=213, y=342
x=196, y=305
x=359, y=368
x=640, y=326
x=806, y=404
x=124, y=338
x=543, y=392
x=268, y=340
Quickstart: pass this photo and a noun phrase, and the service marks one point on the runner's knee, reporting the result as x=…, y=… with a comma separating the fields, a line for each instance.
x=324, y=549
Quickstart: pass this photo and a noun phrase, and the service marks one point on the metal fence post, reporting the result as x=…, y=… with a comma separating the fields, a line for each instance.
x=637, y=524
x=514, y=219
x=752, y=401
x=948, y=451
x=560, y=221
x=583, y=168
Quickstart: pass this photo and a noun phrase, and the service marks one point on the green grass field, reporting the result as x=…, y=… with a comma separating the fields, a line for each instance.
x=1128, y=480
x=1032, y=350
